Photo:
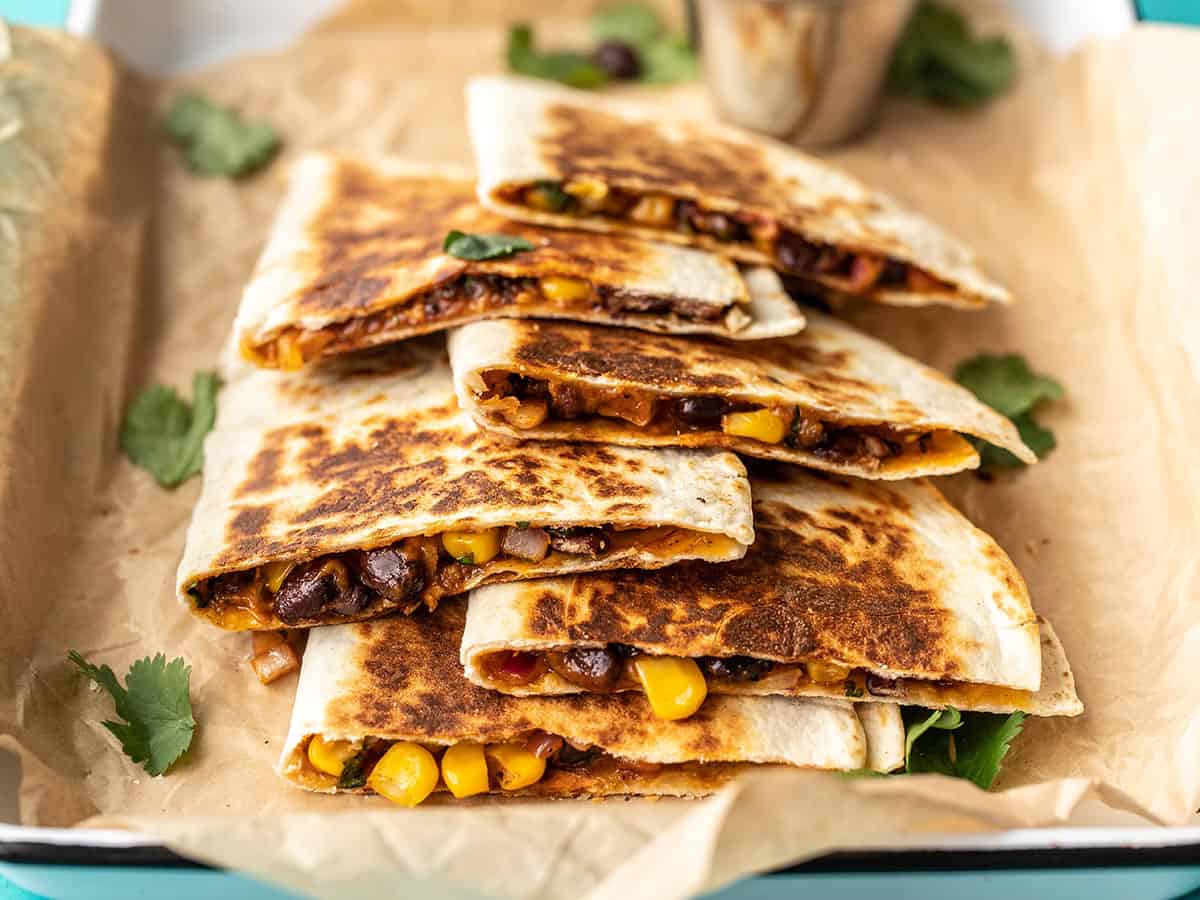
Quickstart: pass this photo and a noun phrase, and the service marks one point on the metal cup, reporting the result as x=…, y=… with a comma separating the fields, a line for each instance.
x=806, y=71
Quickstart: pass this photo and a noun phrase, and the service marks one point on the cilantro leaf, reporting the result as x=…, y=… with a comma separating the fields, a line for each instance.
x=483, y=246
x=155, y=706
x=1009, y=386
x=467, y=559
x=852, y=689
x=1006, y=383
x=216, y=140
x=937, y=59
x=633, y=23
x=668, y=60
x=970, y=746
x=354, y=772
x=946, y=719
x=566, y=67
x=164, y=434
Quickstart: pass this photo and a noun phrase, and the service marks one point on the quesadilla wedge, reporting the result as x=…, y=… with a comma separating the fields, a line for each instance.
x=571, y=159
x=361, y=488
x=830, y=398
x=355, y=259
x=383, y=706
x=870, y=591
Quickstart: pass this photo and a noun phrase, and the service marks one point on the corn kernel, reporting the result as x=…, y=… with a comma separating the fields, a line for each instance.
x=274, y=574
x=591, y=192
x=472, y=547
x=560, y=289
x=762, y=425
x=288, y=354
x=517, y=767
x=826, y=672
x=330, y=757
x=406, y=774
x=653, y=209
x=674, y=686
x=465, y=770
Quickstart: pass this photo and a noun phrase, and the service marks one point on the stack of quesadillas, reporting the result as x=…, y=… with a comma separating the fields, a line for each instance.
x=507, y=490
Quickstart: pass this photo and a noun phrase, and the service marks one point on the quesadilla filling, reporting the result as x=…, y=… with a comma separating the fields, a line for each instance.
x=407, y=772
x=420, y=570
x=856, y=272
x=471, y=296
x=525, y=402
x=677, y=686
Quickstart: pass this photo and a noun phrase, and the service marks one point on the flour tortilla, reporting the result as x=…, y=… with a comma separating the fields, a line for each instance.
x=353, y=240
x=831, y=370
x=889, y=578
x=526, y=131
x=399, y=679
x=373, y=448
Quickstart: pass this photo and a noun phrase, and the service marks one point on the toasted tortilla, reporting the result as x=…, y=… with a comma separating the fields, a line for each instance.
x=355, y=259
x=525, y=132
x=399, y=679
x=372, y=449
x=887, y=579
x=830, y=373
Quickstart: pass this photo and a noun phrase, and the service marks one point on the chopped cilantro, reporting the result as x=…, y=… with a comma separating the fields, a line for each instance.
x=216, y=140
x=155, y=706
x=937, y=58
x=483, y=246
x=564, y=66
x=970, y=746
x=467, y=559
x=165, y=434
x=522, y=524
x=353, y=772
x=852, y=688
x=1009, y=386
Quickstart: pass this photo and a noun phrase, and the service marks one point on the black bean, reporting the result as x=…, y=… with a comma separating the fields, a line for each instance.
x=594, y=668
x=351, y=601
x=737, y=668
x=618, y=59
x=794, y=253
x=703, y=410
x=579, y=541
x=624, y=651
x=571, y=757
x=389, y=572
x=882, y=687
x=306, y=589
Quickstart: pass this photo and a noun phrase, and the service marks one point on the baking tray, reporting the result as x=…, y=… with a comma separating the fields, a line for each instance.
x=1101, y=863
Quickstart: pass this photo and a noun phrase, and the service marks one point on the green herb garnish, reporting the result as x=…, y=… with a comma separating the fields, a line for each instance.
x=633, y=23
x=522, y=524
x=155, y=705
x=483, y=246
x=564, y=66
x=467, y=559
x=970, y=746
x=554, y=195
x=216, y=140
x=1009, y=386
x=353, y=772
x=852, y=688
x=163, y=433
x=937, y=58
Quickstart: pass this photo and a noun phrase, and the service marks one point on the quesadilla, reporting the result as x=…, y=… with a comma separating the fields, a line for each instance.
x=574, y=160
x=355, y=259
x=361, y=488
x=383, y=706
x=870, y=591
x=831, y=397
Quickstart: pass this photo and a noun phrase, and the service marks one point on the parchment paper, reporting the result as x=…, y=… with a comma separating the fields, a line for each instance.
x=120, y=268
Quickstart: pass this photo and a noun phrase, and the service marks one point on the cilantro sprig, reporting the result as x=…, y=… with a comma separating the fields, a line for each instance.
x=216, y=140
x=164, y=434
x=938, y=59
x=1012, y=388
x=965, y=745
x=155, y=705
x=484, y=246
x=632, y=43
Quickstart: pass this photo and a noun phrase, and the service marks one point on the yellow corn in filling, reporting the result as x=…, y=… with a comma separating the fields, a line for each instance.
x=762, y=425
x=560, y=289
x=675, y=687
x=472, y=547
x=406, y=774
x=330, y=757
x=465, y=770
x=516, y=766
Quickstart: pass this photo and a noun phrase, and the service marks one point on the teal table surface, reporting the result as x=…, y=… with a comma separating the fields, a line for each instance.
x=35, y=12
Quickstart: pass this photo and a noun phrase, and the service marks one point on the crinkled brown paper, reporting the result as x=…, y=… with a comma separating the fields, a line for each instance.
x=120, y=268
